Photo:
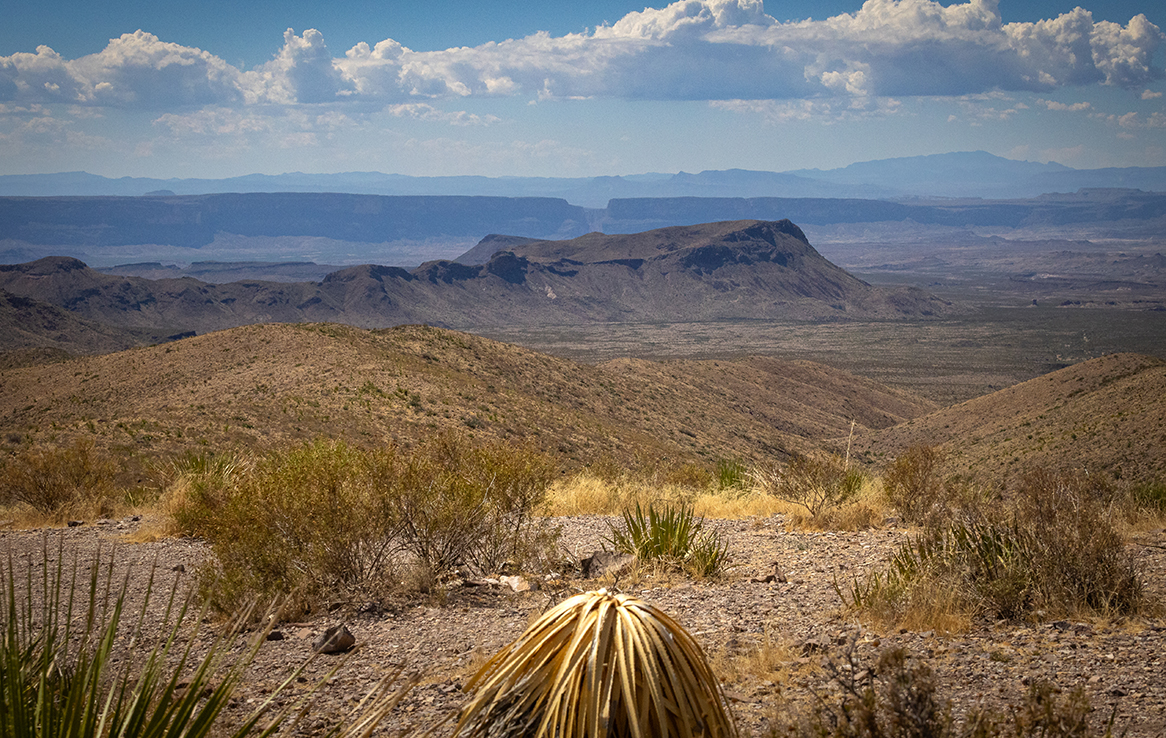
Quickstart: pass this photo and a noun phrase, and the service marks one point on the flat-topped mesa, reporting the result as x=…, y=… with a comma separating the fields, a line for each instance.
x=728, y=270
x=594, y=248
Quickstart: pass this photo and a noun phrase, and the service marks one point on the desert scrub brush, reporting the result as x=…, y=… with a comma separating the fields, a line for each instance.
x=598, y=664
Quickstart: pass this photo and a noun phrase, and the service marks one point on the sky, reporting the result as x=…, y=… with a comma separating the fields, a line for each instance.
x=221, y=88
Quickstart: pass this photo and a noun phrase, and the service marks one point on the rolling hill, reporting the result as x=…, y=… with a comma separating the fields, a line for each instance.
x=715, y=271
x=26, y=323
x=264, y=385
x=1106, y=415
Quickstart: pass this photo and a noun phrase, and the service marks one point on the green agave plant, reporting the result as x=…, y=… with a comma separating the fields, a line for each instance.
x=65, y=672
x=598, y=664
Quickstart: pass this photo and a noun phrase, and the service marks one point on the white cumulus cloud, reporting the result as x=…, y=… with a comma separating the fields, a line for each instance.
x=716, y=50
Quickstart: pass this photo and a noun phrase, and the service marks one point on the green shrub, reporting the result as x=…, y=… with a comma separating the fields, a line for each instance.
x=1150, y=496
x=693, y=476
x=1078, y=561
x=912, y=483
x=815, y=483
x=326, y=515
x=1052, y=551
x=672, y=536
x=199, y=486
x=50, y=479
x=301, y=521
x=459, y=502
x=731, y=474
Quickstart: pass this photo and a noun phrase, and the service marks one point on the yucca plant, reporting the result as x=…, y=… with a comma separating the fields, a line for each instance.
x=60, y=676
x=671, y=535
x=598, y=665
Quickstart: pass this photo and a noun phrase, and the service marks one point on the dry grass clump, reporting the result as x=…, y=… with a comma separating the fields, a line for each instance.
x=821, y=492
x=897, y=698
x=737, y=504
x=772, y=658
x=1050, y=549
x=325, y=516
x=598, y=664
x=587, y=493
x=54, y=483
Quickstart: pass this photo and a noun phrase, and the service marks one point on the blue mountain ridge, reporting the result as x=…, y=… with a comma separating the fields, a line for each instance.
x=954, y=175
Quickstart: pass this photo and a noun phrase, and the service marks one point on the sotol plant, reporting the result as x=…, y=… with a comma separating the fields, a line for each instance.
x=67, y=670
x=598, y=664
x=672, y=536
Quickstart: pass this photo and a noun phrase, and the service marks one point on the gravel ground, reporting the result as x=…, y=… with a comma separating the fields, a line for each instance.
x=1120, y=665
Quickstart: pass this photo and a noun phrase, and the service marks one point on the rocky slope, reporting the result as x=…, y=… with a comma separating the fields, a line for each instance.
x=1106, y=415
x=256, y=386
x=26, y=323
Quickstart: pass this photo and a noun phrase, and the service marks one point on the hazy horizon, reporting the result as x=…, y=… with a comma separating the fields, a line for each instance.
x=574, y=90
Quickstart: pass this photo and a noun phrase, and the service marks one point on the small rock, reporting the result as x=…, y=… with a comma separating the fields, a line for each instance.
x=336, y=639
x=778, y=575
x=518, y=583
x=814, y=645
x=603, y=563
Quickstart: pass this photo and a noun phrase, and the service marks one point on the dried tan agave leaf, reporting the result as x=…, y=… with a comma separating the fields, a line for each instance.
x=598, y=664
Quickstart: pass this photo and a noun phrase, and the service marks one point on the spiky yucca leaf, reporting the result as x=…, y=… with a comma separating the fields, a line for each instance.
x=60, y=679
x=598, y=664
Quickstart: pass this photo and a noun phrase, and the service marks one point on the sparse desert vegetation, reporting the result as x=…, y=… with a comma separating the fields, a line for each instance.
x=438, y=492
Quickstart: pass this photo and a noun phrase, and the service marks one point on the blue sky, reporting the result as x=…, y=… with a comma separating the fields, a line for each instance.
x=217, y=89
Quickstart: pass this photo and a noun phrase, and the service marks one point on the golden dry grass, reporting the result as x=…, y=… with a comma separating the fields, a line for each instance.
x=773, y=658
x=587, y=494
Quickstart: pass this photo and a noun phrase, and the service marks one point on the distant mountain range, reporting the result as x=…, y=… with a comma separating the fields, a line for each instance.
x=961, y=175
x=715, y=271
x=146, y=233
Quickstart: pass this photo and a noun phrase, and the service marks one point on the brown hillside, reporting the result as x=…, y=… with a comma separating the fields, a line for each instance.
x=1104, y=415
x=262, y=385
x=26, y=323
